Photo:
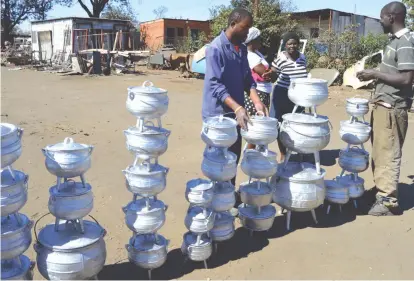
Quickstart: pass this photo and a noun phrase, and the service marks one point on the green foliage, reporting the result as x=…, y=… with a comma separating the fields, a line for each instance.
x=272, y=18
x=410, y=16
x=120, y=12
x=189, y=44
x=343, y=50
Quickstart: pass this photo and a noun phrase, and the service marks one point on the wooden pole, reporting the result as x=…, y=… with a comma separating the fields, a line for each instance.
x=330, y=20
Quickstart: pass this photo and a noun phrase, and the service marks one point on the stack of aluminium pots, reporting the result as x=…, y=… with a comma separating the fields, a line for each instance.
x=256, y=213
x=300, y=187
x=72, y=247
x=16, y=234
x=145, y=178
x=208, y=218
x=353, y=159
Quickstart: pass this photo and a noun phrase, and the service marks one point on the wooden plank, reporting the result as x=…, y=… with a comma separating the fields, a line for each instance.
x=115, y=41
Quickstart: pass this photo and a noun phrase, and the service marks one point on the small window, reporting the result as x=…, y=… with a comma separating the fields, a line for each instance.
x=314, y=32
x=194, y=34
x=180, y=32
x=68, y=37
x=34, y=37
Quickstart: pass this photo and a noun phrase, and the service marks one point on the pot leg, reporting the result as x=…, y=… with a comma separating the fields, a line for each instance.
x=342, y=173
x=215, y=247
x=328, y=209
x=340, y=208
x=149, y=275
x=289, y=215
x=355, y=204
x=251, y=233
x=198, y=239
x=95, y=277
x=314, y=216
x=205, y=264
x=317, y=162
x=288, y=154
x=82, y=228
x=295, y=108
x=18, y=219
x=56, y=224
x=135, y=197
x=83, y=180
x=11, y=171
x=314, y=111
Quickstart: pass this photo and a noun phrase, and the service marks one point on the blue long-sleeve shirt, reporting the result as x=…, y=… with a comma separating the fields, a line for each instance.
x=227, y=74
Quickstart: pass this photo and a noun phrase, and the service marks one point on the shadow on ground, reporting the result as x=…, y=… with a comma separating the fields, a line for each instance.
x=327, y=157
x=406, y=194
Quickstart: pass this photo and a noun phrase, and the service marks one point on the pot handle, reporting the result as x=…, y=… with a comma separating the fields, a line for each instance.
x=292, y=84
x=68, y=140
x=91, y=147
x=128, y=247
x=165, y=207
x=147, y=84
x=36, y=247
x=149, y=122
x=32, y=265
x=260, y=113
x=124, y=209
x=20, y=132
x=47, y=153
x=131, y=96
x=26, y=179
x=30, y=224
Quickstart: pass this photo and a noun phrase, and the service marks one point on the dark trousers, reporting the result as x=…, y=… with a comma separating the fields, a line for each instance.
x=236, y=149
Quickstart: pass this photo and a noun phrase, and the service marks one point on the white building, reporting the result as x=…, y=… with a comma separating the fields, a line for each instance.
x=65, y=36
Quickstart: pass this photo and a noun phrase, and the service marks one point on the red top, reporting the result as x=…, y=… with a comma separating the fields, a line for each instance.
x=237, y=48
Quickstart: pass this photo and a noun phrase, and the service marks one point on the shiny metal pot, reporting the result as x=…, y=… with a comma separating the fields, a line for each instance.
x=355, y=132
x=357, y=107
x=145, y=215
x=336, y=192
x=151, y=141
x=258, y=194
x=148, y=251
x=10, y=153
x=13, y=195
x=19, y=268
x=298, y=187
x=69, y=255
x=147, y=101
x=263, y=131
x=199, y=220
x=255, y=220
x=199, y=192
x=224, y=197
x=354, y=160
x=197, y=248
x=218, y=165
x=71, y=201
x=259, y=165
x=146, y=179
x=223, y=227
x=16, y=235
x=68, y=159
x=10, y=134
x=354, y=184
x=219, y=131
x=308, y=92
x=305, y=133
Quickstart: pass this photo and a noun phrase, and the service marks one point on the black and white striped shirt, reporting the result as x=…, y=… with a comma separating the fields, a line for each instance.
x=288, y=69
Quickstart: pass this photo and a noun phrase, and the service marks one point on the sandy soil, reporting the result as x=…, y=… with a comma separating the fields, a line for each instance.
x=92, y=110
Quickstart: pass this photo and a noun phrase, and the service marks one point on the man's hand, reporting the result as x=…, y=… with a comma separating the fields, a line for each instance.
x=260, y=107
x=367, y=74
x=242, y=118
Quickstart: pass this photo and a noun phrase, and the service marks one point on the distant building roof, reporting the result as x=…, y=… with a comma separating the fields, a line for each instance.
x=80, y=18
x=173, y=20
x=326, y=12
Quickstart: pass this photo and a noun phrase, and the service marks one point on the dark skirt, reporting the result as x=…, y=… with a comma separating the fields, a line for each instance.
x=282, y=104
x=264, y=98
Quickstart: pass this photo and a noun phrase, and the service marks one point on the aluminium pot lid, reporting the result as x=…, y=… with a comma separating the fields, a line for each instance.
x=354, y=152
x=7, y=129
x=12, y=268
x=9, y=224
x=191, y=239
x=219, y=156
x=220, y=122
x=146, y=88
x=69, y=189
x=7, y=179
x=148, y=130
x=300, y=171
x=310, y=81
x=68, y=238
x=358, y=101
x=253, y=188
x=140, y=206
x=251, y=212
x=355, y=124
x=199, y=213
x=332, y=184
x=305, y=118
x=350, y=179
x=146, y=169
x=148, y=242
x=68, y=144
x=199, y=185
x=223, y=218
x=262, y=119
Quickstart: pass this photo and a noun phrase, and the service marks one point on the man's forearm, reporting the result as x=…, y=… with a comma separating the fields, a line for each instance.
x=396, y=80
x=231, y=103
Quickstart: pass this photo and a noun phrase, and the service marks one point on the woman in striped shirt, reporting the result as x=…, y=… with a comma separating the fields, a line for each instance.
x=289, y=65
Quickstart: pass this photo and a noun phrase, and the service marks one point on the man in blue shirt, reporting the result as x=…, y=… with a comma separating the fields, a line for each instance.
x=228, y=75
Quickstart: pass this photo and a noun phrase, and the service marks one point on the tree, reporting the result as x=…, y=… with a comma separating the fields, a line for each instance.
x=410, y=16
x=118, y=12
x=160, y=12
x=271, y=17
x=14, y=12
x=98, y=6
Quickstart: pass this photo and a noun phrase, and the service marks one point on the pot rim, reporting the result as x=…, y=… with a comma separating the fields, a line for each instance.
x=11, y=130
x=74, y=190
x=147, y=88
x=247, y=212
x=26, y=223
x=357, y=101
x=147, y=130
x=18, y=179
x=159, y=238
x=220, y=122
x=16, y=270
x=310, y=81
x=310, y=119
x=140, y=206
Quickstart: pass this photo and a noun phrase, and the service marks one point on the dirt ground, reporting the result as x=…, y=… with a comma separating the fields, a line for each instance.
x=347, y=245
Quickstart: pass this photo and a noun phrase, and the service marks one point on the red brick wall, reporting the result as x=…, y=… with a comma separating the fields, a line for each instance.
x=155, y=31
